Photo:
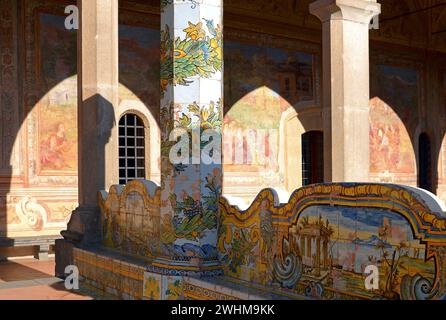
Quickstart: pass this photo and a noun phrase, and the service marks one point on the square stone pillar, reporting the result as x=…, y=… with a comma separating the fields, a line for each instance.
x=345, y=45
x=98, y=73
x=191, y=122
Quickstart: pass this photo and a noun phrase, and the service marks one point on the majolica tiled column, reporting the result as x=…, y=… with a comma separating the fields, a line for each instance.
x=191, y=118
x=345, y=44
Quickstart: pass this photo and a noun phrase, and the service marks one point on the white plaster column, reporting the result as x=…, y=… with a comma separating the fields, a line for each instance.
x=345, y=44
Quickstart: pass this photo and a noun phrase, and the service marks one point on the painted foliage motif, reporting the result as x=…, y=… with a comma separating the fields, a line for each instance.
x=393, y=115
x=199, y=53
x=58, y=108
x=319, y=245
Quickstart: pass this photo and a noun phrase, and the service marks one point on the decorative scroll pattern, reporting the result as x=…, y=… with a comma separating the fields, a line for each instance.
x=289, y=273
x=31, y=213
x=324, y=237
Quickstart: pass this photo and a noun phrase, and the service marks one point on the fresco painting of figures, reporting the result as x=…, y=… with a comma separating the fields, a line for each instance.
x=57, y=47
x=261, y=83
x=139, y=54
x=393, y=114
x=58, y=108
x=336, y=245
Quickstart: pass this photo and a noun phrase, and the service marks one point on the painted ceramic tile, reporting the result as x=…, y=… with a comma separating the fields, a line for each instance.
x=310, y=260
x=348, y=223
x=152, y=286
x=129, y=225
x=173, y=288
x=394, y=113
x=117, y=275
x=100, y=274
x=191, y=53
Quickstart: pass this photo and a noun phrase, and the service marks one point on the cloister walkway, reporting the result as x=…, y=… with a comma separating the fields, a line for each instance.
x=28, y=279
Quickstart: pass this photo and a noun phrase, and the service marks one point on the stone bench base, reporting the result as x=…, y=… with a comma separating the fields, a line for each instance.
x=126, y=278
x=42, y=245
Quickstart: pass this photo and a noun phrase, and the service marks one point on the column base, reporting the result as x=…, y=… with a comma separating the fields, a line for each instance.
x=83, y=226
x=83, y=229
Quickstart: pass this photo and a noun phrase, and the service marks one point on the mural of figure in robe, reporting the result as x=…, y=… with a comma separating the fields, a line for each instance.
x=54, y=149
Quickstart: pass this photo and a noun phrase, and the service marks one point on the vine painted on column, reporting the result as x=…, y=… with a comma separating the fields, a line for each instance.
x=198, y=54
x=193, y=217
x=190, y=191
x=209, y=116
x=192, y=214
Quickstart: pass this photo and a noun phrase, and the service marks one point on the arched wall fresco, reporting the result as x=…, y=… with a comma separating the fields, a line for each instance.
x=394, y=114
x=407, y=99
x=38, y=169
x=271, y=89
x=441, y=191
x=30, y=173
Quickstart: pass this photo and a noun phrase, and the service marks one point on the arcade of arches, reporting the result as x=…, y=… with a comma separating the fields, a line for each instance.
x=276, y=54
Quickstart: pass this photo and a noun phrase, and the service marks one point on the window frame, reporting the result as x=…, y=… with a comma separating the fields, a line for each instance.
x=140, y=171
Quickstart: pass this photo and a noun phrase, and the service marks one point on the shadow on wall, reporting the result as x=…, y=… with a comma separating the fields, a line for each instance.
x=396, y=127
x=271, y=99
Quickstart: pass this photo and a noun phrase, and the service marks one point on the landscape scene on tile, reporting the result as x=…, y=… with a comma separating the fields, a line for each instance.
x=321, y=251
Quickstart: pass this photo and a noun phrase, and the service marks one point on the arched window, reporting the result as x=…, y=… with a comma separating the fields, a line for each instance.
x=312, y=157
x=425, y=162
x=131, y=149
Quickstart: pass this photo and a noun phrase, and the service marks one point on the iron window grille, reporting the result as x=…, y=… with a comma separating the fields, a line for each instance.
x=131, y=149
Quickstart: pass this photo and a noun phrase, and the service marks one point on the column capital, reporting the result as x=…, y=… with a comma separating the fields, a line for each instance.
x=361, y=11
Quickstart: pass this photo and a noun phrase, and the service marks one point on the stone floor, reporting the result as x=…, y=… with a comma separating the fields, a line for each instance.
x=34, y=280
